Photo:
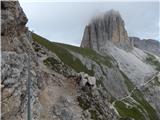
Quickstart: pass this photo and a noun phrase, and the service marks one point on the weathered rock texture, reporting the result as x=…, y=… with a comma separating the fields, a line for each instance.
x=72, y=83
x=13, y=22
x=55, y=87
x=16, y=51
x=106, y=35
x=107, y=27
x=150, y=45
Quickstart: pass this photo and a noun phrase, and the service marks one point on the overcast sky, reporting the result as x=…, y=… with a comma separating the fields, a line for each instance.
x=65, y=21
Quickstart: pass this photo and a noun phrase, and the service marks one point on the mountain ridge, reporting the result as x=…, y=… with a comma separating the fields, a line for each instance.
x=73, y=83
x=104, y=28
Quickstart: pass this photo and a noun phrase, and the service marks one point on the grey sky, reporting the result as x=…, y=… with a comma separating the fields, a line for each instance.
x=65, y=21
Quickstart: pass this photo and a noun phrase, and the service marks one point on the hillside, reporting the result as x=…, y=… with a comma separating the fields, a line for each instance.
x=107, y=78
x=120, y=101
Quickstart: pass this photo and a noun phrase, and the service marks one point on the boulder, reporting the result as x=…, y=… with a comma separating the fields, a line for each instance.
x=87, y=80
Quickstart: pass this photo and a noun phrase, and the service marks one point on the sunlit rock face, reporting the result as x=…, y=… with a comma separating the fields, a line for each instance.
x=107, y=27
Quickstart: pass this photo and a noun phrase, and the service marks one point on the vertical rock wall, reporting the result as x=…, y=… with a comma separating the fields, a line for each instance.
x=104, y=28
x=16, y=51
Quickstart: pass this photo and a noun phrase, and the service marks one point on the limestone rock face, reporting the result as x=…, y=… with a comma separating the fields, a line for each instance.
x=58, y=91
x=107, y=27
x=16, y=51
x=150, y=45
x=13, y=22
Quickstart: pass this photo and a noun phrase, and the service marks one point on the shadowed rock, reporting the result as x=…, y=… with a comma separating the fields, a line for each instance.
x=150, y=45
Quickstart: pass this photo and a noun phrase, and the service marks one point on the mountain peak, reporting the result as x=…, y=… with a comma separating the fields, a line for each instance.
x=107, y=27
x=113, y=12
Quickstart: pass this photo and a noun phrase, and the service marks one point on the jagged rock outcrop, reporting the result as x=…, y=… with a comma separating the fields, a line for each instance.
x=58, y=91
x=13, y=22
x=54, y=87
x=106, y=35
x=104, y=28
x=87, y=80
x=150, y=45
x=18, y=60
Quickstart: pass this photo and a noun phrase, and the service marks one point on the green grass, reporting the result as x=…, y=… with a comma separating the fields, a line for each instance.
x=151, y=59
x=128, y=112
x=127, y=81
x=135, y=107
x=65, y=56
x=87, y=52
x=63, y=52
x=54, y=64
x=138, y=96
x=156, y=81
x=83, y=103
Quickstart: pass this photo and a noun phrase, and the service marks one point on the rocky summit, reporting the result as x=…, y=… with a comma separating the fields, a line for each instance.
x=103, y=28
x=110, y=77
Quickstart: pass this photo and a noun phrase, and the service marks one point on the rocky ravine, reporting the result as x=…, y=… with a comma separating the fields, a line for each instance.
x=72, y=83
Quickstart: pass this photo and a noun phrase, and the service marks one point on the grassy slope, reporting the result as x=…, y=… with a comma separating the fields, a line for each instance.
x=135, y=106
x=62, y=51
x=151, y=59
x=65, y=56
x=86, y=52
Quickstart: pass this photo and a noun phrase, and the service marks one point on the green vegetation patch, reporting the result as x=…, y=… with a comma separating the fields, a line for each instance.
x=99, y=82
x=94, y=115
x=128, y=112
x=83, y=103
x=138, y=96
x=156, y=81
x=127, y=81
x=53, y=63
x=151, y=59
x=99, y=59
x=135, y=106
x=65, y=56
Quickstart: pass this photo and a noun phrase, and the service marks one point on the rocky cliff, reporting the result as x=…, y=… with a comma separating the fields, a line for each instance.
x=106, y=34
x=19, y=63
x=150, y=45
x=73, y=83
x=107, y=27
x=57, y=90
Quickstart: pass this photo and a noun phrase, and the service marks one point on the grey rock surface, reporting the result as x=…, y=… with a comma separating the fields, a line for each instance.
x=56, y=93
x=17, y=56
x=14, y=92
x=149, y=45
x=103, y=28
x=151, y=91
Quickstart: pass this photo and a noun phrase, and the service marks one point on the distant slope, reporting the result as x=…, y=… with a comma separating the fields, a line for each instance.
x=72, y=83
x=62, y=50
x=108, y=75
x=150, y=45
